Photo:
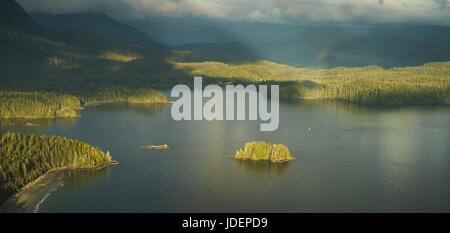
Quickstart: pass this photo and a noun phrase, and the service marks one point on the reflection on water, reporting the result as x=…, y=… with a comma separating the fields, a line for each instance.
x=262, y=168
x=343, y=106
x=147, y=108
x=25, y=125
x=141, y=108
x=71, y=180
x=354, y=159
x=87, y=177
x=31, y=198
x=351, y=108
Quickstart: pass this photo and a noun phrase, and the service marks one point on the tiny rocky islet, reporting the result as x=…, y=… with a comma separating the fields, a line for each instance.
x=156, y=147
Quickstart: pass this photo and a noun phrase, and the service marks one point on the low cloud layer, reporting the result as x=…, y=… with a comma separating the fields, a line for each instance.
x=280, y=11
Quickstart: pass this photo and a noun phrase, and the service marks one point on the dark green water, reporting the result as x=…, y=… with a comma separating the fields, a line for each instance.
x=354, y=159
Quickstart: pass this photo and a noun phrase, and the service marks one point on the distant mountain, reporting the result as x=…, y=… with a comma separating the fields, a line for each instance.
x=350, y=48
x=101, y=24
x=186, y=30
x=386, y=51
x=20, y=31
x=34, y=58
x=30, y=52
x=177, y=31
x=308, y=44
x=225, y=52
x=14, y=17
x=88, y=43
x=96, y=23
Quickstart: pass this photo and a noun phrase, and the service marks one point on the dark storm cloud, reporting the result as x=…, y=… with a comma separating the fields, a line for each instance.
x=442, y=3
x=282, y=11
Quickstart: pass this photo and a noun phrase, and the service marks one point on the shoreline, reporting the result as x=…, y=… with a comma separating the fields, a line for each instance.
x=82, y=108
x=266, y=160
x=298, y=98
x=30, y=196
x=93, y=103
x=291, y=99
x=35, y=117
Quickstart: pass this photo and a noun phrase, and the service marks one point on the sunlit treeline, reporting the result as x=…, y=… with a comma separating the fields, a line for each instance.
x=119, y=94
x=23, y=158
x=35, y=104
x=426, y=84
x=53, y=105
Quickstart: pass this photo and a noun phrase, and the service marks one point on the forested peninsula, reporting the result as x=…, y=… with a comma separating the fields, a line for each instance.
x=24, y=158
x=16, y=104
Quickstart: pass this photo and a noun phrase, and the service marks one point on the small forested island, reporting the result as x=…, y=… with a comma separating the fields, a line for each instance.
x=264, y=151
x=24, y=158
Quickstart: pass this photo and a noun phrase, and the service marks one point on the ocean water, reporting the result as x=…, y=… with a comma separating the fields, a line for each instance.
x=353, y=159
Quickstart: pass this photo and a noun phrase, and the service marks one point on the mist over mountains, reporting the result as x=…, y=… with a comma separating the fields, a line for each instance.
x=324, y=45
x=320, y=44
x=68, y=54
x=312, y=45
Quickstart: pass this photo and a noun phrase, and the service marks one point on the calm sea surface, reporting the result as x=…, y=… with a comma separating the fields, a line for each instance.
x=354, y=159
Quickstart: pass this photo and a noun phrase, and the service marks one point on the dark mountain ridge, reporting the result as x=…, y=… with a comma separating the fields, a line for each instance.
x=96, y=23
x=326, y=45
x=14, y=17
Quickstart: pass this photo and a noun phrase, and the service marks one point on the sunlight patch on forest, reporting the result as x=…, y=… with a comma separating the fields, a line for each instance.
x=62, y=63
x=119, y=57
x=426, y=84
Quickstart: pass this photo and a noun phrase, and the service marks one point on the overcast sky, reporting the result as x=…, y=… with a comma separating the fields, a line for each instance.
x=280, y=11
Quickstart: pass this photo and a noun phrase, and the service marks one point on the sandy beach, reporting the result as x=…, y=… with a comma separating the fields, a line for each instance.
x=33, y=194
x=30, y=197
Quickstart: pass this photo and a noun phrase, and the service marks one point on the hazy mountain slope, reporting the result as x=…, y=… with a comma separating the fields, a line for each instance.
x=341, y=48
x=387, y=51
x=96, y=23
x=177, y=31
x=13, y=17
x=309, y=44
x=74, y=59
x=101, y=24
x=188, y=30
x=226, y=52
x=69, y=58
